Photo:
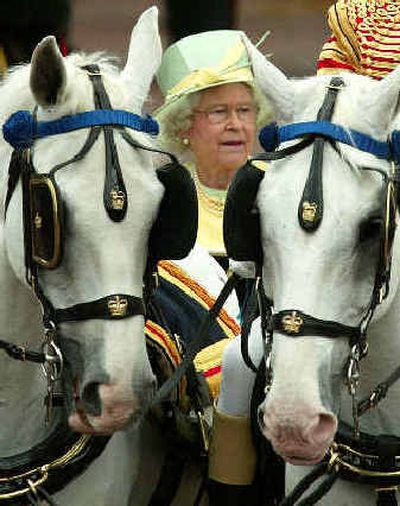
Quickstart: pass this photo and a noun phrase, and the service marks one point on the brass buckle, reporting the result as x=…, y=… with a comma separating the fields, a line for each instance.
x=32, y=488
x=333, y=457
x=331, y=86
x=93, y=72
x=22, y=351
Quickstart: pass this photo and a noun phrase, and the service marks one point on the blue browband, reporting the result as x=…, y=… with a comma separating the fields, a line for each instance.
x=271, y=136
x=21, y=129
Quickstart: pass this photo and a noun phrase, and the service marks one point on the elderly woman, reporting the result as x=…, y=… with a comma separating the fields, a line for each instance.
x=209, y=119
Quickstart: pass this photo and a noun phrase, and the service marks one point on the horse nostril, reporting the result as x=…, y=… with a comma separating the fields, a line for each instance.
x=91, y=398
x=325, y=428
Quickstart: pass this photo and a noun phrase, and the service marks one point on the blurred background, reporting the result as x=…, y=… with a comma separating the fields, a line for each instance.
x=298, y=27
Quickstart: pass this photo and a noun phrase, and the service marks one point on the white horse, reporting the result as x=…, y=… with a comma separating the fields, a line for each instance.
x=110, y=375
x=327, y=272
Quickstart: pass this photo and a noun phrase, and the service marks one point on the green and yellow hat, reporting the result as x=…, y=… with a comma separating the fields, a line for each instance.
x=202, y=61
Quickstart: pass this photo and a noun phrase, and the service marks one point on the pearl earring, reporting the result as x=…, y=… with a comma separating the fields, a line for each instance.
x=185, y=141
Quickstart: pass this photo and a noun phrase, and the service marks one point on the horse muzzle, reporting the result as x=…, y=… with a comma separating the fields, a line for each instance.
x=301, y=436
x=105, y=409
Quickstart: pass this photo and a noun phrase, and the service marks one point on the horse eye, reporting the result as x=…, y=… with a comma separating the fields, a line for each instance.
x=370, y=228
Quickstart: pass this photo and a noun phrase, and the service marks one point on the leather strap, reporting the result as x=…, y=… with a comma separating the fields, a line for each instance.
x=65, y=453
x=114, y=182
x=284, y=152
x=111, y=307
x=379, y=392
x=313, y=191
x=295, y=323
x=22, y=353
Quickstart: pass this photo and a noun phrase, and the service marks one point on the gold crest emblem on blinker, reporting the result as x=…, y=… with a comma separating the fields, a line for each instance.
x=117, y=199
x=292, y=323
x=309, y=211
x=38, y=221
x=118, y=307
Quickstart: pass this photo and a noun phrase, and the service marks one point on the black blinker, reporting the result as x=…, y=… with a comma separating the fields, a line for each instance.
x=45, y=221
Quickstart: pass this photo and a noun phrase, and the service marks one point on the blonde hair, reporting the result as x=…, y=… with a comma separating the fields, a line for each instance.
x=179, y=119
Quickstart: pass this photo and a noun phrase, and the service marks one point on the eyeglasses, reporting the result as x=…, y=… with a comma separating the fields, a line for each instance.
x=221, y=113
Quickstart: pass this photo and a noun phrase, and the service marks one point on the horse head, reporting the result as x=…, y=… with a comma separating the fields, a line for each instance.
x=87, y=216
x=324, y=215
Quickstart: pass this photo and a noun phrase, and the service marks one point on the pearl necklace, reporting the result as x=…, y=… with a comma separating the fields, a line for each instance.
x=213, y=204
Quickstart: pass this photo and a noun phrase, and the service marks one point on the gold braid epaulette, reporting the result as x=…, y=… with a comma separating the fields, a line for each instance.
x=175, y=275
x=208, y=360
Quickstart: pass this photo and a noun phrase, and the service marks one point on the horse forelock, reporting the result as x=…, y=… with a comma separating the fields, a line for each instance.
x=354, y=107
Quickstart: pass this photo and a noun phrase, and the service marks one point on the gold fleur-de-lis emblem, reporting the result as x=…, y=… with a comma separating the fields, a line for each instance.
x=292, y=323
x=38, y=221
x=117, y=199
x=117, y=306
x=309, y=211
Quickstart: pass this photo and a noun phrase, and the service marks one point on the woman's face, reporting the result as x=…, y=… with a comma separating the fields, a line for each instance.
x=223, y=129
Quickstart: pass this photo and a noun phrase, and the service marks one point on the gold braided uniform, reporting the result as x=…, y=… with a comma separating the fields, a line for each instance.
x=365, y=38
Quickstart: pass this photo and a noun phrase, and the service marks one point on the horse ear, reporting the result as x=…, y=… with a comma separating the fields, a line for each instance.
x=272, y=82
x=48, y=74
x=144, y=57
